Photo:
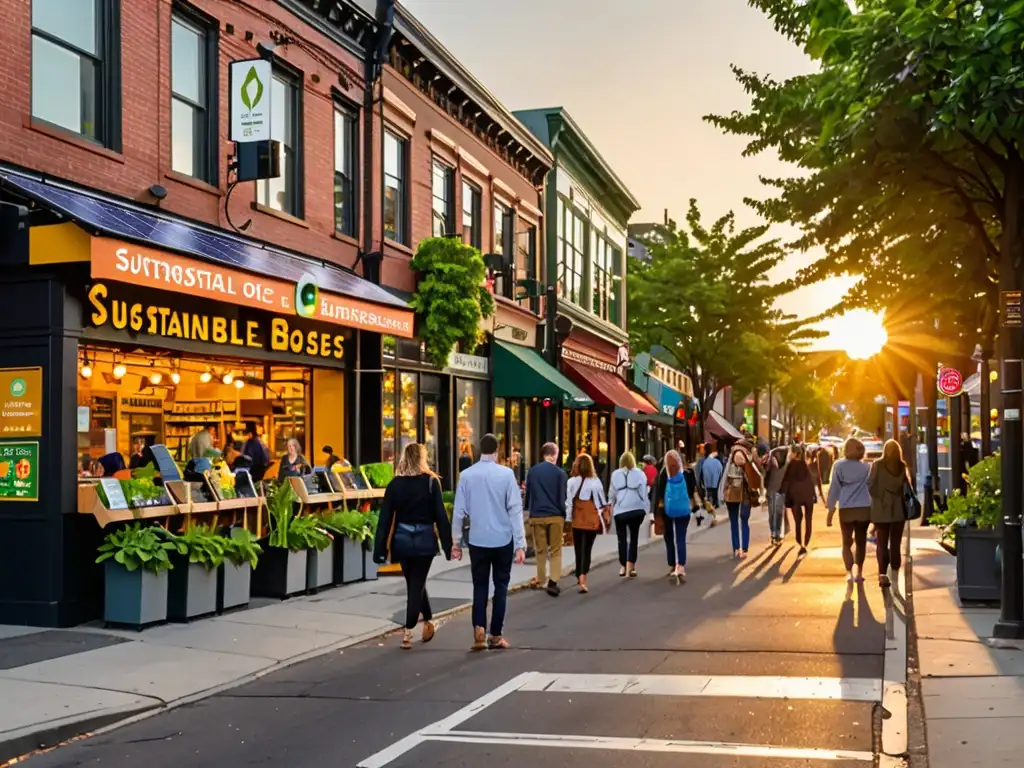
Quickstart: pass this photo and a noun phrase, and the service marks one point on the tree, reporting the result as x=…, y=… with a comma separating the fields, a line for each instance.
x=706, y=301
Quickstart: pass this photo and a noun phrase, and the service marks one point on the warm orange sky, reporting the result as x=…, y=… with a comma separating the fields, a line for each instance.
x=637, y=77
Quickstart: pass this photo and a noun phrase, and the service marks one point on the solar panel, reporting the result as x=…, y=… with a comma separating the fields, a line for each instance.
x=128, y=223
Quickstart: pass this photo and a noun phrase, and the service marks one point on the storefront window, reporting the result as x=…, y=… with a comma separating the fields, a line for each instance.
x=388, y=418
x=500, y=414
x=469, y=420
x=602, y=441
x=583, y=439
x=566, y=436
x=408, y=411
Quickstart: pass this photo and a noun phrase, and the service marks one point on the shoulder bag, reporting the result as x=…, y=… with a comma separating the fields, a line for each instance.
x=911, y=504
x=585, y=514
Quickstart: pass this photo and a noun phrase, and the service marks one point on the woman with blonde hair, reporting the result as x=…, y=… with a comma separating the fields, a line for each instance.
x=885, y=484
x=627, y=493
x=587, y=509
x=412, y=521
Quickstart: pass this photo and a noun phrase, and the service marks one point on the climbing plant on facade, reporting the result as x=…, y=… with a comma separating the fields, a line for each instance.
x=451, y=296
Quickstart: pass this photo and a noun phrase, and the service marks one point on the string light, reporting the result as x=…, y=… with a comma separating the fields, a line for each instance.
x=205, y=376
x=239, y=383
x=120, y=371
x=228, y=378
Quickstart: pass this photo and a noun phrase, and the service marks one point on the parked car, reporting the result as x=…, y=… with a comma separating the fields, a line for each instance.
x=872, y=444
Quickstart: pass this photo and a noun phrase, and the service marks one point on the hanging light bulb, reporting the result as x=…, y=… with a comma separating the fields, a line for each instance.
x=120, y=371
x=175, y=377
x=228, y=378
x=205, y=377
x=239, y=383
x=86, y=370
x=155, y=377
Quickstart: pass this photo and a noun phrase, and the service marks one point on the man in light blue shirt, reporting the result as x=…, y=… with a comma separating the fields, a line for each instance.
x=489, y=496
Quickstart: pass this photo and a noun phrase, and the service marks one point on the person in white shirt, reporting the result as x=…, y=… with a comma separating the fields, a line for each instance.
x=489, y=496
x=587, y=509
x=627, y=493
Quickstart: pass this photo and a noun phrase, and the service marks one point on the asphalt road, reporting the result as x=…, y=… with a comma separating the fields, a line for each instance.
x=730, y=650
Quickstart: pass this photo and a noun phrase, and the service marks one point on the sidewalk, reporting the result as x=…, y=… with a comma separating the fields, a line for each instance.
x=56, y=684
x=972, y=685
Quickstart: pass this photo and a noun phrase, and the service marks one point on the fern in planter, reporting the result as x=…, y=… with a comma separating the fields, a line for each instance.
x=308, y=533
x=280, y=513
x=139, y=546
x=451, y=296
x=349, y=523
x=241, y=547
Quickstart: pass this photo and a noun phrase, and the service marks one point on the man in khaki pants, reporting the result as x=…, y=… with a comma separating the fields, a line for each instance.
x=545, y=500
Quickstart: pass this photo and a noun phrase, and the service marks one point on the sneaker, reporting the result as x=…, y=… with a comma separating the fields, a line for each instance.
x=553, y=589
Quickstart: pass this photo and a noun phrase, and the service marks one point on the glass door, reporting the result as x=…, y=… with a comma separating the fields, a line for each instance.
x=430, y=428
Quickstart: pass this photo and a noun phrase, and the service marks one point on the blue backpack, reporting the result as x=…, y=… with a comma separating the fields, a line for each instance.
x=677, y=497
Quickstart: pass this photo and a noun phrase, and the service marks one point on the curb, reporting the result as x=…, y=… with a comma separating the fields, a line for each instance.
x=29, y=741
x=895, y=704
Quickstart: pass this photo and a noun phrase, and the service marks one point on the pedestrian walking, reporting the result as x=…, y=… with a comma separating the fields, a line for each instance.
x=412, y=523
x=587, y=509
x=545, y=500
x=711, y=477
x=885, y=484
x=741, y=489
x=488, y=495
x=650, y=471
x=776, y=501
x=848, y=492
x=798, y=488
x=677, y=508
x=627, y=493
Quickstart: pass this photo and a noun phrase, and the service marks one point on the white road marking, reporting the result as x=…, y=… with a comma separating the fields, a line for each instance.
x=678, y=746
x=732, y=686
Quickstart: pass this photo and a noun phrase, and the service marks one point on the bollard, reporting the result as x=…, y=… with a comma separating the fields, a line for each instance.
x=929, y=501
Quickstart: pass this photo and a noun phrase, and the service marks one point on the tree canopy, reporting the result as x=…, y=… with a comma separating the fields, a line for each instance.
x=908, y=141
x=705, y=300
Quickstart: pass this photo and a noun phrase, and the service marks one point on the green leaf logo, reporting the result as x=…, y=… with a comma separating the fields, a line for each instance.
x=252, y=77
x=18, y=388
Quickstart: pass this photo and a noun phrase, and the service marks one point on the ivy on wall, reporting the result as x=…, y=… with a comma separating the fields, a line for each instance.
x=451, y=297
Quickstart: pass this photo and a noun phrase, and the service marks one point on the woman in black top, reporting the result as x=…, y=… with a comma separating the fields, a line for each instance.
x=293, y=463
x=412, y=519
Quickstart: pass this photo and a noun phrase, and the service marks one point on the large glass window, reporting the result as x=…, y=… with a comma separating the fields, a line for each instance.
x=602, y=267
x=615, y=291
x=408, y=411
x=571, y=253
x=471, y=230
x=388, y=418
x=285, y=192
x=72, y=67
x=526, y=252
x=504, y=231
x=500, y=431
x=193, y=88
x=345, y=165
x=396, y=200
x=470, y=402
x=443, y=186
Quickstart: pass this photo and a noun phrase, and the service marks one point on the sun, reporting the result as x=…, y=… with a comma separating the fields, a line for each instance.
x=859, y=333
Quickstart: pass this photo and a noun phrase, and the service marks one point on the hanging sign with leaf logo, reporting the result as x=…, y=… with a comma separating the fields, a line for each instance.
x=250, y=100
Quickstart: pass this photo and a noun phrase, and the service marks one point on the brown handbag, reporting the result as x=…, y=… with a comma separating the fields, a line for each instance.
x=585, y=514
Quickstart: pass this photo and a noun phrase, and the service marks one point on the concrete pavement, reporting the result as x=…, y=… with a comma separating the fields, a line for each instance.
x=771, y=661
x=56, y=684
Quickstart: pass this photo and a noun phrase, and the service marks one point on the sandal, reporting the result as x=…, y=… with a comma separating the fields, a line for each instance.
x=406, y=640
x=534, y=584
x=479, y=641
x=497, y=643
x=622, y=571
x=583, y=589
x=883, y=582
x=429, y=630
x=632, y=573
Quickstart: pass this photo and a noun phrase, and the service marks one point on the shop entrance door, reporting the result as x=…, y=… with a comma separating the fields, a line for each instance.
x=434, y=433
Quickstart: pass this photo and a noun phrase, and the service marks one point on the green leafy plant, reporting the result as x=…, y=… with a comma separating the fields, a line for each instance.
x=980, y=507
x=380, y=474
x=308, y=533
x=241, y=547
x=451, y=297
x=372, y=519
x=138, y=546
x=280, y=512
x=448, y=499
x=202, y=545
x=349, y=523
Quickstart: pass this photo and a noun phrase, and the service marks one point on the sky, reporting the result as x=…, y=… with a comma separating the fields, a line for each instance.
x=638, y=77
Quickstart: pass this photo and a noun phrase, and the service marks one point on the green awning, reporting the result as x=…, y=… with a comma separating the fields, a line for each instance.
x=520, y=372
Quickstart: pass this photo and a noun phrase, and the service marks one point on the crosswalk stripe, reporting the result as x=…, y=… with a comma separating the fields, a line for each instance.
x=677, y=746
x=733, y=686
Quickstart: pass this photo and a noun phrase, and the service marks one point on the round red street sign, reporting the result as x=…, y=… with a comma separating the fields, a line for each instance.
x=951, y=382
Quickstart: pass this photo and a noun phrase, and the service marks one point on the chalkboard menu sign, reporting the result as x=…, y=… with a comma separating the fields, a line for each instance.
x=114, y=492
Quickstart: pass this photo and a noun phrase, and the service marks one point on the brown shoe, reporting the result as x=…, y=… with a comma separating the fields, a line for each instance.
x=497, y=643
x=479, y=639
x=428, y=631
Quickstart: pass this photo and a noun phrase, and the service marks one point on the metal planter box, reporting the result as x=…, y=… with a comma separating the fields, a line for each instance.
x=192, y=590
x=369, y=567
x=348, y=560
x=978, y=577
x=233, y=586
x=320, y=568
x=282, y=573
x=134, y=598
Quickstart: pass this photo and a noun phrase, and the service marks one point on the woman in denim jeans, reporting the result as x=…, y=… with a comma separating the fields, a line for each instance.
x=776, y=501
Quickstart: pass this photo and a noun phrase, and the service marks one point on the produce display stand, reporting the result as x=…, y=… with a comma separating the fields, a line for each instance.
x=89, y=503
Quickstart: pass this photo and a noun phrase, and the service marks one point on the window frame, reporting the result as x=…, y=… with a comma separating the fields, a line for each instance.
x=209, y=136
x=506, y=214
x=401, y=232
x=572, y=289
x=108, y=132
x=350, y=116
x=476, y=198
x=447, y=217
x=295, y=81
x=527, y=256
x=602, y=274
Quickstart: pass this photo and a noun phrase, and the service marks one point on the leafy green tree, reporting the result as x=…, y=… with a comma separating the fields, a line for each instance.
x=706, y=300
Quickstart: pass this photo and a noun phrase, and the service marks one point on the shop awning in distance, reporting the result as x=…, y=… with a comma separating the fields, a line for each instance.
x=718, y=426
x=520, y=372
x=608, y=389
x=132, y=244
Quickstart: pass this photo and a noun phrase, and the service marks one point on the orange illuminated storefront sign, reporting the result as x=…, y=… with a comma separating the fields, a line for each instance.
x=151, y=268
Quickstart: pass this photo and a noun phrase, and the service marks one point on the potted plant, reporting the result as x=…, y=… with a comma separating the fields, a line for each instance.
x=371, y=519
x=319, y=545
x=970, y=521
x=136, y=561
x=380, y=474
x=192, y=585
x=241, y=554
x=282, y=571
x=350, y=525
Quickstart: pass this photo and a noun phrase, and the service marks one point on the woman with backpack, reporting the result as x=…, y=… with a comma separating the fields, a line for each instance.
x=676, y=504
x=740, y=489
x=587, y=508
x=798, y=488
x=885, y=484
x=627, y=493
